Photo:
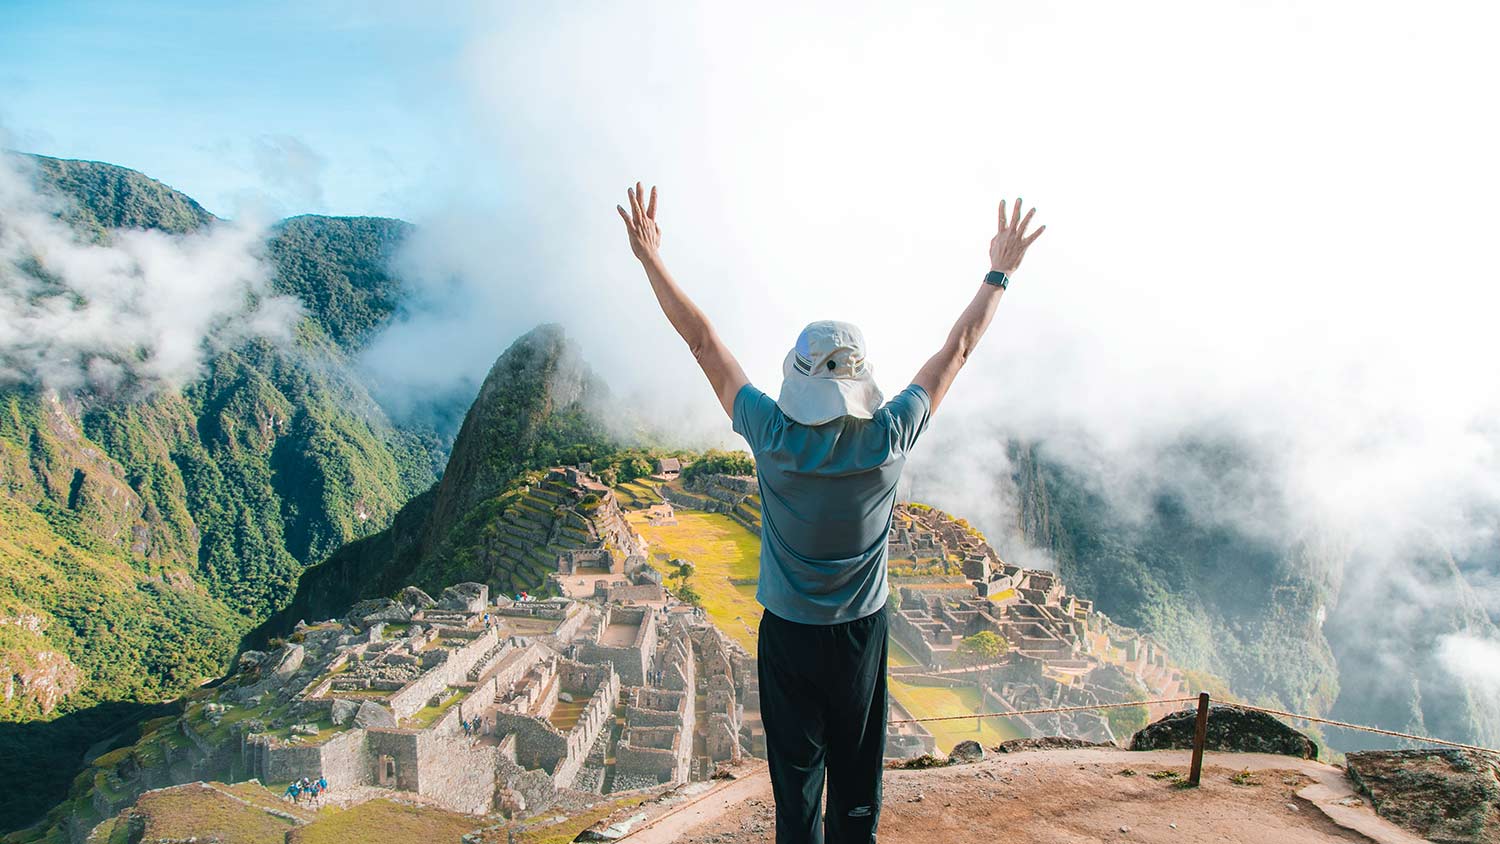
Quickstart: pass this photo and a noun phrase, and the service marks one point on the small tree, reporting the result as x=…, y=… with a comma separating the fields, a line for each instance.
x=984, y=646
x=685, y=570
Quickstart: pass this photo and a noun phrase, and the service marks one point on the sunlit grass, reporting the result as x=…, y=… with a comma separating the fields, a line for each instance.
x=386, y=822
x=720, y=548
x=897, y=656
x=937, y=702
x=428, y=715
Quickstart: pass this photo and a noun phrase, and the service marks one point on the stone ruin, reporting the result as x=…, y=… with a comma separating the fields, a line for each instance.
x=481, y=704
x=1060, y=652
x=736, y=496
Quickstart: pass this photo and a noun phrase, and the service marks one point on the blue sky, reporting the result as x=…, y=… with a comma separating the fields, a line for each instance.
x=1276, y=213
x=235, y=102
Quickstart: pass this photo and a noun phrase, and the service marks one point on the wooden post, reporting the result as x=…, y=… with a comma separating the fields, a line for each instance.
x=1200, y=735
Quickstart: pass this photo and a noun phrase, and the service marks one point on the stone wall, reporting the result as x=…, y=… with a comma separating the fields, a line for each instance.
x=630, y=661
x=452, y=672
x=653, y=752
x=538, y=743
x=591, y=722
x=346, y=760
x=456, y=773
x=283, y=763
x=400, y=746
x=571, y=623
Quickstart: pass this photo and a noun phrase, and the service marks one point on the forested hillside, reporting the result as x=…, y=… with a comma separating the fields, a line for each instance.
x=1304, y=622
x=142, y=534
x=538, y=407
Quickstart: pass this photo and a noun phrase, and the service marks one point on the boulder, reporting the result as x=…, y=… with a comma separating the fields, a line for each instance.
x=370, y=611
x=371, y=714
x=1449, y=796
x=290, y=661
x=1230, y=730
x=342, y=711
x=415, y=599
x=304, y=729
x=965, y=752
x=465, y=597
x=1019, y=745
x=251, y=660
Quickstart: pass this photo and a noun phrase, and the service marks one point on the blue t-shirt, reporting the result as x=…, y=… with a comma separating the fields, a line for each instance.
x=827, y=493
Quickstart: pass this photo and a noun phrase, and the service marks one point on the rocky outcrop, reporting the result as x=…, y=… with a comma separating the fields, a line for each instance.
x=372, y=714
x=1020, y=745
x=415, y=599
x=368, y=612
x=1449, y=796
x=43, y=678
x=965, y=752
x=465, y=597
x=1229, y=730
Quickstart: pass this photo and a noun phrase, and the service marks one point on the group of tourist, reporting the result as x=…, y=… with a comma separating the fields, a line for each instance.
x=313, y=788
x=472, y=726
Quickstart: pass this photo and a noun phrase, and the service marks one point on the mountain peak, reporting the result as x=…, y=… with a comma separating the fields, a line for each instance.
x=538, y=389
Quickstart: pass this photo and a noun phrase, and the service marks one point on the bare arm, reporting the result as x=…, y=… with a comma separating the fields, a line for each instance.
x=723, y=371
x=1006, y=251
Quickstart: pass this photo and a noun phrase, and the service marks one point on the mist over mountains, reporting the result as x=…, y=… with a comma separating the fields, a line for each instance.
x=155, y=513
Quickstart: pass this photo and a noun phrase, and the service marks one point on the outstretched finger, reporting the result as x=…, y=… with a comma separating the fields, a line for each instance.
x=1026, y=221
x=640, y=201
x=635, y=204
x=1034, y=235
x=623, y=216
x=1015, y=213
x=1002, y=215
x=651, y=211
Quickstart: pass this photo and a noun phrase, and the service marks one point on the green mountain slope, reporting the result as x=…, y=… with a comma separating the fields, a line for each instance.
x=536, y=408
x=141, y=537
x=1287, y=623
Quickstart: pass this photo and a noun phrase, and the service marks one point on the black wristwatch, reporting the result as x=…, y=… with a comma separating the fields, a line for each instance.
x=997, y=278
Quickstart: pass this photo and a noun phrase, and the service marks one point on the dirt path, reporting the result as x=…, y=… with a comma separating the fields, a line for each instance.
x=1070, y=797
x=707, y=807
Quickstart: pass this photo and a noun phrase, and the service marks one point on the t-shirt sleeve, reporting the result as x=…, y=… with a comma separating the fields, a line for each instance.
x=907, y=415
x=755, y=417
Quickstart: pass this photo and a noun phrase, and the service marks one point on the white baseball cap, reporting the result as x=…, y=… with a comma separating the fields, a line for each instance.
x=825, y=376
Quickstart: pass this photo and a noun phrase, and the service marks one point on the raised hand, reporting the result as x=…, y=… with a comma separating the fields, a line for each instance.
x=640, y=223
x=1009, y=244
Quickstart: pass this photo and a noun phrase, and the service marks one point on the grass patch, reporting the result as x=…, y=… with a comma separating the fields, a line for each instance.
x=386, y=822
x=428, y=715
x=565, y=715
x=1165, y=775
x=937, y=702
x=720, y=548
x=201, y=812
x=898, y=656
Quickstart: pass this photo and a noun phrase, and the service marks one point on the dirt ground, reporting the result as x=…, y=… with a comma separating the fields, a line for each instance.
x=1064, y=797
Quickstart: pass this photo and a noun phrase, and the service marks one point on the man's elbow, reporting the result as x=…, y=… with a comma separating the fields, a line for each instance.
x=702, y=346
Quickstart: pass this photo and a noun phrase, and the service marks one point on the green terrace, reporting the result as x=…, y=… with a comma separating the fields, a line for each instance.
x=429, y=715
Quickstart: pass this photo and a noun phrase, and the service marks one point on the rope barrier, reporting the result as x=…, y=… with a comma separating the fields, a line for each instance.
x=1042, y=711
x=1314, y=719
x=1346, y=725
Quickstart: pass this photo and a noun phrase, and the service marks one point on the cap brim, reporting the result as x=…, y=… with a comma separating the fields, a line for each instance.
x=812, y=400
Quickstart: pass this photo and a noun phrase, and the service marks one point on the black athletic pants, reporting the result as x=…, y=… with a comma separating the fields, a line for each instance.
x=823, y=701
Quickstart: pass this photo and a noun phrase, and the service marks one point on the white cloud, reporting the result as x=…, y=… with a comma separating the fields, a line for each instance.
x=1475, y=660
x=1260, y=225
x=140, y=312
